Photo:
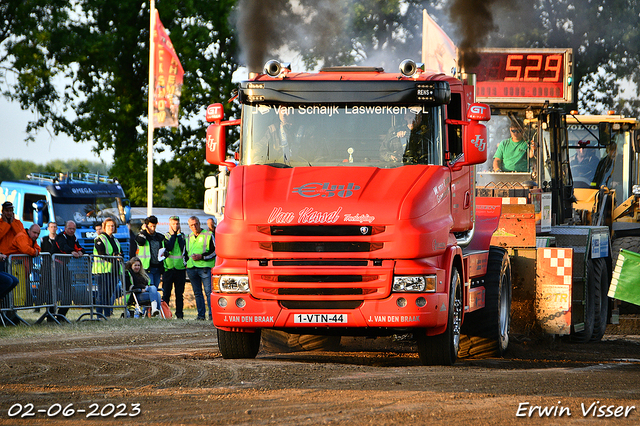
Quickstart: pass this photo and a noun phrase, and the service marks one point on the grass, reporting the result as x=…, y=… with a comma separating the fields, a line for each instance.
x=115, y=324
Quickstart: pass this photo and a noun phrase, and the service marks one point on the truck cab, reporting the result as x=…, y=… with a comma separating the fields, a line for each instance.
x=349, y=208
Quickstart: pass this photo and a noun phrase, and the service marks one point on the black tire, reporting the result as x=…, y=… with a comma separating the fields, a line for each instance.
x=236, y=344
x=631, y=244
x=601, y=288
x=627, y=243
x=488, y=328
x=585, y=335
x=442, y=349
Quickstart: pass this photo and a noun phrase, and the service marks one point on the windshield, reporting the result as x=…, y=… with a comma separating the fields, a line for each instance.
x=87, y=211
x=341, y=135
x=593, y=165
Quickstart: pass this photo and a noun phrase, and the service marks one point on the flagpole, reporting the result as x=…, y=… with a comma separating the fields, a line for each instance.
x=152, y=49
x=425, y=32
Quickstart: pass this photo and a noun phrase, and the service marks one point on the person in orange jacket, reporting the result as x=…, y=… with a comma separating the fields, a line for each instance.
x=25, y=242
x=10, y=226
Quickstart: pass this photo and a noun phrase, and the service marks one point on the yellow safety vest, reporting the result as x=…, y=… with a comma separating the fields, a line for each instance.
x=144, y=253
x=100, y=265
x=198, y=245
x=174, y=259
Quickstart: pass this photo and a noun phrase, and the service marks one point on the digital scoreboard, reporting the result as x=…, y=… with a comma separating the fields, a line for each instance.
x=524, y=76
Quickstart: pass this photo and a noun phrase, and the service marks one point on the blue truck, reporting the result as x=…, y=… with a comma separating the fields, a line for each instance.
x=85, y=198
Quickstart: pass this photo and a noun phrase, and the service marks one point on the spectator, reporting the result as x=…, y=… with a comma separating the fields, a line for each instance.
x=211, y=225
x=7, y=283
x=10, y=226
x=67, y=243
x=25, y=242
x=137, y=281
x=200, y=258
x=174, y=267
x=151, y=249
x=98, y=227
x=48, y=245
x=49, y=241
x=133, y=247
x=106, y=277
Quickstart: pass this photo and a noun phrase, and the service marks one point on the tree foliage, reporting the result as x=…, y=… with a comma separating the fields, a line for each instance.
x=82, y=66
x=99, y=50
x=19, y=169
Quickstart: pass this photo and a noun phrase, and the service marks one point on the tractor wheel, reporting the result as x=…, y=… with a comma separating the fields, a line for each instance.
x=627, y=243
x=585, y=335
x=487, y=329
x=237, y=344
x=601, y=289
x=442, y=349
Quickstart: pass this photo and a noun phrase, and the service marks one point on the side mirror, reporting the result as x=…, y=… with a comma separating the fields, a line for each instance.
x=474, y=143
x=39, y=207
x=605, y=132
x=216, y=146
x=127, y=210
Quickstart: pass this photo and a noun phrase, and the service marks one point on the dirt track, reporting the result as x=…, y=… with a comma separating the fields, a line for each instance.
x=178, y=377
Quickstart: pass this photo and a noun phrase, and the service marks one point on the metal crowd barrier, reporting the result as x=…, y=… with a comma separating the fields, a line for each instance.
x=108, y=274
x=34, y=289
x=55, y=284
x=89, y=282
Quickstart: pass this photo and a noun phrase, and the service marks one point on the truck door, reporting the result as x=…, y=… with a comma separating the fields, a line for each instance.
x=462, y=192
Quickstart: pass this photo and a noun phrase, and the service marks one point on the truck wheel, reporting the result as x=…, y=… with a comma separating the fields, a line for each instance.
x=237, y=344
x=488, y=328
x=584, y=336
x=443, y=348
x=631, y=244
x=601, y=288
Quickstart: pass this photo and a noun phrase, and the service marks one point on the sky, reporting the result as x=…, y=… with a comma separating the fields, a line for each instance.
x=47, y=147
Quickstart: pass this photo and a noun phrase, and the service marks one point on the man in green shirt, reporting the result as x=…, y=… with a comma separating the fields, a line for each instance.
x=511, y=155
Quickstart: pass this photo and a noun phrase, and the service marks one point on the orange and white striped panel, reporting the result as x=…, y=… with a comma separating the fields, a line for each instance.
x=554, y=282
x=514, y=200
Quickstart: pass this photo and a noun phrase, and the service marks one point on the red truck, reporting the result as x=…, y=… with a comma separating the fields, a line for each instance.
x=352, y=212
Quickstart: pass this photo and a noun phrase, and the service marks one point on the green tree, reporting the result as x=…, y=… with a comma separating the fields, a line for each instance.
x=99, y=50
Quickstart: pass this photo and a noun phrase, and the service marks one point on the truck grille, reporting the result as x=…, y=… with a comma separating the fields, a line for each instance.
x=321, y=263
x=320, y=291
x=306, y=279
x=322, y=230
x=312, y=304
x=321, y=247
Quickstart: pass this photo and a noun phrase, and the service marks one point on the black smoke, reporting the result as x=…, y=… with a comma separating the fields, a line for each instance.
x=474, y=22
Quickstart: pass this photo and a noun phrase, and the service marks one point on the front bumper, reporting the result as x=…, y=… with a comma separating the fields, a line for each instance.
x=385, y=312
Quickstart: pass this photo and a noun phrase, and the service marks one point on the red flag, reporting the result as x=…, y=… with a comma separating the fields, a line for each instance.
x=168, y=74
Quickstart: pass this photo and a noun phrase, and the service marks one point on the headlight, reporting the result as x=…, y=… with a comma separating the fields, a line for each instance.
x=230, y=283
x=417, y=283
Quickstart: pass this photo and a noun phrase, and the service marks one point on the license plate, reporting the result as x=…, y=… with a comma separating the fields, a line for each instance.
x=320, y=318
